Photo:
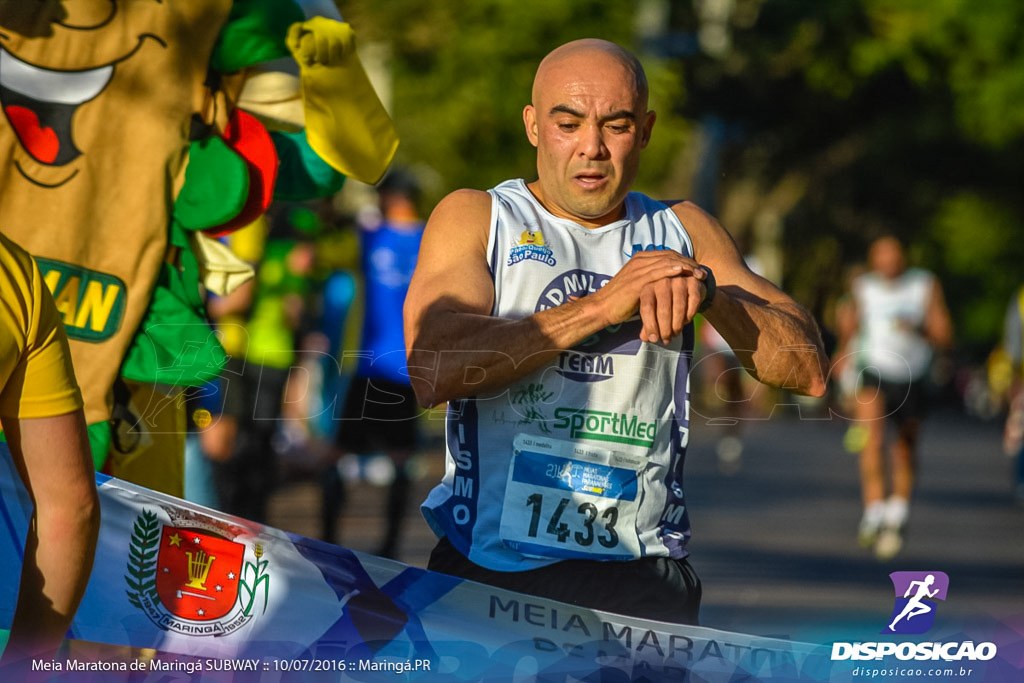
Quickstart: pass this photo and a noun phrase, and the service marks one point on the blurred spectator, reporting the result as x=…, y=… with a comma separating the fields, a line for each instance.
x=261, y=322
x=1013, y=340
x=205, y=442
x=380, y=408
x=901, y=317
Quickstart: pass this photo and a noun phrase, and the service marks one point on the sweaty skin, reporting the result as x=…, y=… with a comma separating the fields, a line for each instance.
x=589, y=122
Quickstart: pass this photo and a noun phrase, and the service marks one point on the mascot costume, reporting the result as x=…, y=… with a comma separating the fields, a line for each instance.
x=136, y=132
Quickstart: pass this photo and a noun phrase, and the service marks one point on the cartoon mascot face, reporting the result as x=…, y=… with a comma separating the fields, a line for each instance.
x=97, y=99
x=531, y=237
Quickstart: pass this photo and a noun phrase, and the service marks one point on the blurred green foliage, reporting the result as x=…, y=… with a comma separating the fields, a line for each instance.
x=462, y=72
x=813, y=125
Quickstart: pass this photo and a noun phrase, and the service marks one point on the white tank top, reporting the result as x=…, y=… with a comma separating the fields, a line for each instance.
x=584, y=457
x=891, y=314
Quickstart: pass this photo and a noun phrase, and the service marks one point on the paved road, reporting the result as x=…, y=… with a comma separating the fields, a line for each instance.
x=775, y=543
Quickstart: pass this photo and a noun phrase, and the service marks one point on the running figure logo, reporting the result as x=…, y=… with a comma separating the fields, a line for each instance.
x=914, y=610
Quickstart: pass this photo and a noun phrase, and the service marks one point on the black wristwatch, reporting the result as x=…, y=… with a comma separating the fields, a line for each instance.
x=709, y=290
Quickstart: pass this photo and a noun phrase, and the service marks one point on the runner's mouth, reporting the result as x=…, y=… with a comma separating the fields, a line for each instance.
x=590, y=180
x=39, y=104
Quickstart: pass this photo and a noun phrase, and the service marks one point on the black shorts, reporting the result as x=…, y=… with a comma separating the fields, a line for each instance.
x=903, y=400
x=659, y=588
x=379, y=415
x=251, y=393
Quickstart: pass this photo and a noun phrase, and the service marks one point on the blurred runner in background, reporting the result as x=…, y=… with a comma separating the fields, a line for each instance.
x=901, y=317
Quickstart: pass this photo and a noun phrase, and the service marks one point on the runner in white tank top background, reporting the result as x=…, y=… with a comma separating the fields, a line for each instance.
x=901, y=316
x=555, y=319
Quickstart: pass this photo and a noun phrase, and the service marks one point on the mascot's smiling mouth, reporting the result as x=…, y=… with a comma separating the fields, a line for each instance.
x=39, y=104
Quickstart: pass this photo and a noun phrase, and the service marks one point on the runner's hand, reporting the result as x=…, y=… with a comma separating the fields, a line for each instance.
x=663, y=286
x=668, y=305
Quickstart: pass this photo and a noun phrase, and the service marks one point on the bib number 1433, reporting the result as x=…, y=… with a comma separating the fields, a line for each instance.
x=558, y=526
x=567, y=500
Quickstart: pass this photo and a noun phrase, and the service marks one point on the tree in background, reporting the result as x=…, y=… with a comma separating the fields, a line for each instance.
x=837, y=122
x=462, y=71
x=808, y=127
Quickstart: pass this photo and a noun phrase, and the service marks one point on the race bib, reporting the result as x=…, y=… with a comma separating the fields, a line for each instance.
x=568, y=500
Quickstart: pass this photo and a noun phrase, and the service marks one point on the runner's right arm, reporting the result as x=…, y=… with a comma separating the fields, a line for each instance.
x=456, y=348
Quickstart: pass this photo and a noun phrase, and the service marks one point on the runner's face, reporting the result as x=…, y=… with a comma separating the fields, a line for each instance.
x=589, y=125
x=886, y=258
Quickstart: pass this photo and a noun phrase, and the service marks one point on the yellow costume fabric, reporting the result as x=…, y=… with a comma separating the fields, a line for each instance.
x=346, y=124
x=99, y=102
x=36, y=377
x=148, y=459
x=97, y=105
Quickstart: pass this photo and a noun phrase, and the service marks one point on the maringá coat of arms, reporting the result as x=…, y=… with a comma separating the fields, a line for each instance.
x=193, y=577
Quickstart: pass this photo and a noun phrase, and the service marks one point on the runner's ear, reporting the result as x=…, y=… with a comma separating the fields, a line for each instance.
x=530, y=121
x=647, y=128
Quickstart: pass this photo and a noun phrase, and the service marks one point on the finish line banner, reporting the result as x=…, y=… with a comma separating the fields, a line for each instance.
x=224, y=599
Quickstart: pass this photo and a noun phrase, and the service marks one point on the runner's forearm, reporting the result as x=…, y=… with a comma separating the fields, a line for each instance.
x=778, y=343
x=456, y=355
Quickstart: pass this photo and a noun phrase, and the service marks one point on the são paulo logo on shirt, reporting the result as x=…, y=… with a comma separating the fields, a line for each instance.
x=531, y=247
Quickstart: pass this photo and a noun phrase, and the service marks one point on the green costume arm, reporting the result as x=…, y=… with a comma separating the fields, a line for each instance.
x=255, y=32
x=303, y=174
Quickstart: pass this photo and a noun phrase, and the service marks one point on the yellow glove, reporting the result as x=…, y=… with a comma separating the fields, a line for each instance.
x=321, y=41
x=346, y=124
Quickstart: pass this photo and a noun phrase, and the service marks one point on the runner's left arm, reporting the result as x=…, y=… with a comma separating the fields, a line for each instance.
x=776, y=339
x=938, y=326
